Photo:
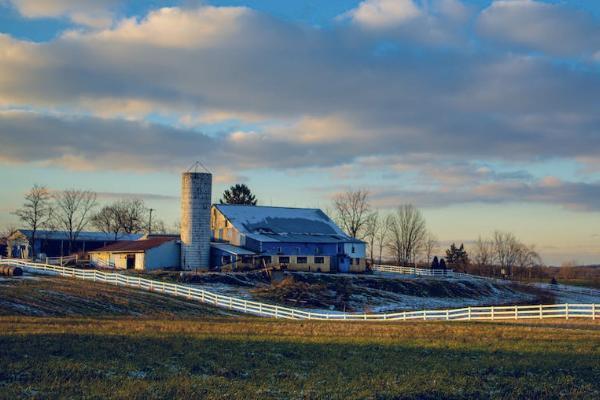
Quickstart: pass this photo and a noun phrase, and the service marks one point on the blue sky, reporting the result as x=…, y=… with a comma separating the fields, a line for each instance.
x=482, y=113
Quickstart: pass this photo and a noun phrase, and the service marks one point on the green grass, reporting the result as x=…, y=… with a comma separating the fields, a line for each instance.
x=240, y=358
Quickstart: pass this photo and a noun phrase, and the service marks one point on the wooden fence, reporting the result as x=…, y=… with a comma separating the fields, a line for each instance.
x=269, y=310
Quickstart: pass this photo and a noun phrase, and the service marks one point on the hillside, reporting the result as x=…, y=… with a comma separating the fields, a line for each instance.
x=49, y=296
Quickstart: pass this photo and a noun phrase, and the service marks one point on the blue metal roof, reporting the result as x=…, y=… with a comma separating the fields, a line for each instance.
x=284, y=224
x=231, y=249
x=83, y=236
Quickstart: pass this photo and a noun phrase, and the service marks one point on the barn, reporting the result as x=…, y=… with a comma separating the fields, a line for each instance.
x=56, y=243
x=300, y=239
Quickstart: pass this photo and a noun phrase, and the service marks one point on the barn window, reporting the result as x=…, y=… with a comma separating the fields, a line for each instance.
x=267, y=259
x=284, y=260
x=319, y=260
x=226, y=260
x=301, y=260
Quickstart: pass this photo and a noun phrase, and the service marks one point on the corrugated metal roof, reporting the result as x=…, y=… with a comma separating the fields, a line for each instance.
x=229, y=248
x=134, y=245
x=284, y=224
x=83, y=236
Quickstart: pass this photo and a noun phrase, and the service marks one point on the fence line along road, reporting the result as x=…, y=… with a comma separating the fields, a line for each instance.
x=452, y=274
x=269, y=310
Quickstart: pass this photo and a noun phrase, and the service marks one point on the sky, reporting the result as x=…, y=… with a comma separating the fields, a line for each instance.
x=484, y=114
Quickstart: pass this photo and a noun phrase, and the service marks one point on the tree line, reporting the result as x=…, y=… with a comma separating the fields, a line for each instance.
x=74, y=210
x=403, y=236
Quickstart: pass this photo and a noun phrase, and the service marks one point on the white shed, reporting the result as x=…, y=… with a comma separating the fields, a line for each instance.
x=145, y=254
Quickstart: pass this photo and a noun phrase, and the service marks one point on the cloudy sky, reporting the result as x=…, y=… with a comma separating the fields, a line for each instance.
x=483, y=113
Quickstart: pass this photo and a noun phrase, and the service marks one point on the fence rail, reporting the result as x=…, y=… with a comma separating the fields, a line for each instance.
x=274, y=311
x=452, y=274
x=419, y=271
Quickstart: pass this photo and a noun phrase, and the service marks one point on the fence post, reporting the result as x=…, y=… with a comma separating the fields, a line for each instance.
x=469, y=313
x=593, y=311
x=492, y=313
x=231, y=305
x=276, y=312
x=516, y=312
x=541, y=312
x=447, y=315
x=567, y=311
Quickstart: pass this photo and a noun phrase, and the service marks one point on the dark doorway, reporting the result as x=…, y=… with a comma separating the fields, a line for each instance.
x=130, y=261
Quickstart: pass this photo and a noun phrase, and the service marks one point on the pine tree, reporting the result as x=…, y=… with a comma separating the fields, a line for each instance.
x=435, y=264
x=238, y=194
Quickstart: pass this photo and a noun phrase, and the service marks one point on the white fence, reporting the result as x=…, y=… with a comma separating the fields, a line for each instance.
x=269, y=310
x=419, y=271
x=60, y=260
x=452, y=274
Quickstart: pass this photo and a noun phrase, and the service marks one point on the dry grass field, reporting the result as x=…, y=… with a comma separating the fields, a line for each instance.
x=179, y=353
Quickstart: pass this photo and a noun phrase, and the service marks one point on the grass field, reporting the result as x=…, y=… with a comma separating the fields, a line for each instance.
x=131, y=344
x=242, y=358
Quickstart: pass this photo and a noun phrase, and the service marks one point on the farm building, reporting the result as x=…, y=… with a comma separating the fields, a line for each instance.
x=302, y=239
x=154, y=252
x=56, y=243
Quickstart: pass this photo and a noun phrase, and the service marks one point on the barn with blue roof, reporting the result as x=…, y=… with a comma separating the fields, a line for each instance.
x=300, y=239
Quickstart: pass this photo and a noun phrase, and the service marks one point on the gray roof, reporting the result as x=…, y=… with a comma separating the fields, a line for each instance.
x=284, y=224
x=229, y=248
x=83, y=235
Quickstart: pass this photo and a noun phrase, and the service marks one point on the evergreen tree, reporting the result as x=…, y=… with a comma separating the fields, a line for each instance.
x=457, y=256
x=238, y=194
x=443, y=264
x=435, y=264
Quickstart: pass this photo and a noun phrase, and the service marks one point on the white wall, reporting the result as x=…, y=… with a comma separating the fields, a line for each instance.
x=164, y=256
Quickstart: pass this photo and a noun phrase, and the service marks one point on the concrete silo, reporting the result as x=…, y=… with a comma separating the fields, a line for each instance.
x=196, y=189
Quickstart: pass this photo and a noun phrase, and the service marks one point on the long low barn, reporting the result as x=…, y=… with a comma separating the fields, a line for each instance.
x=56, y=243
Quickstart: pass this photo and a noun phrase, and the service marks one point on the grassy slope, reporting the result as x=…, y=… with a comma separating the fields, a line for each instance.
x=56, y=296
x=127, y=343
x=242, y=358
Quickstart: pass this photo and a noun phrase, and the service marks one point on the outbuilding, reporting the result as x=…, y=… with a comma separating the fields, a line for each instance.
x=145, y=254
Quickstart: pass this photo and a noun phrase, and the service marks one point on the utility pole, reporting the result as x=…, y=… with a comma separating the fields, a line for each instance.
x=150, y=222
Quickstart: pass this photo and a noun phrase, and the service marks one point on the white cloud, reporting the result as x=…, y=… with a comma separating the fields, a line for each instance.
x=92, y=13
x=378, y=14
x=299, y=98
x=549, y=28
x=176, y=28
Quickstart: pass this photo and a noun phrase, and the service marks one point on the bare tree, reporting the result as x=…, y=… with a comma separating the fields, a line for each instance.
x=35, y=212
x=352, y=211
x=371, y=229
x=483, y=253
x=73, y=211
x=107, y=221
x=407, y=233
x=126, y=216
x=132, y=215
x=383, y=233
x=430, y=245
x=507, y=249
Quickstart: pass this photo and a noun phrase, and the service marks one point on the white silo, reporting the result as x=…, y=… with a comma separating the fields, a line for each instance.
x=196, y=190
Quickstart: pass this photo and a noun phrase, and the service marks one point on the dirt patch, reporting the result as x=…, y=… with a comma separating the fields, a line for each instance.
x=372, y=293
